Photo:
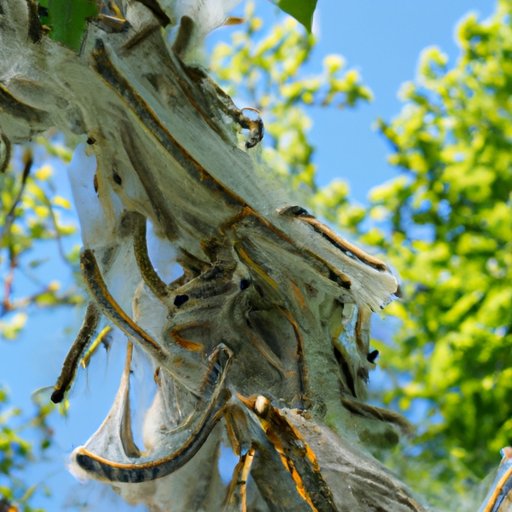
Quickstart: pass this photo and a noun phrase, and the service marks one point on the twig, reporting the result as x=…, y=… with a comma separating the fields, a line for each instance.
x=28, y=160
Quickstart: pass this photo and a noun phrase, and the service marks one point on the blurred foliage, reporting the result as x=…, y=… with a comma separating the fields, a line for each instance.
x=31, y=218
x=266, y=70
x=446, y=225
x=34, y=222
x=17, y=453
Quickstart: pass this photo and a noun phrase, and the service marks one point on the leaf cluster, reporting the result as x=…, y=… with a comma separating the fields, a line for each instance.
x=445, y=222
x=17, y=452
x=35, y=221
x=265, y=69
x=32, y=214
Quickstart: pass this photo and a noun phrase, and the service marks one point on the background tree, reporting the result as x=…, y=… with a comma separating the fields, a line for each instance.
x=446, y=225
x=35, y=223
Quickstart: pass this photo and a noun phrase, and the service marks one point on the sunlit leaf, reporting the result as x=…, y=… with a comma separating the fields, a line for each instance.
x=301, y=10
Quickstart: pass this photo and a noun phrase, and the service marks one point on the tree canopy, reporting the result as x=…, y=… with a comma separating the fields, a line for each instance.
x=446, y=224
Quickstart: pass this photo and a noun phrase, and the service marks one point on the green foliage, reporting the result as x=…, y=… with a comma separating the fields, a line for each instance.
x=31, y=215
x=17, y=453
x=446, y=225
x=266, y=70
x=67, y=19
x=301, y=10
x=34, y=219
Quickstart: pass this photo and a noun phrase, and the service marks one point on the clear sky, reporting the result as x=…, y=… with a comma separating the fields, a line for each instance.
x=383, y=40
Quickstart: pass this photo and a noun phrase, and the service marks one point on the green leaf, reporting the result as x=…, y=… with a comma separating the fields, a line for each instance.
x=67, y=20
x=301, y=10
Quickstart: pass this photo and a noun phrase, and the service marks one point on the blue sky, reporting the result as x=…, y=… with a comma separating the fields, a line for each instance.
x=382, y=39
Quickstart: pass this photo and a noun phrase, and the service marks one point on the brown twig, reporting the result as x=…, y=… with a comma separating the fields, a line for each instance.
x=28, y=160
x=6, y=301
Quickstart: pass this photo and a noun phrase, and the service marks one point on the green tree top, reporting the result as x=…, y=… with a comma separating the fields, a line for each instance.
x=448, y=231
